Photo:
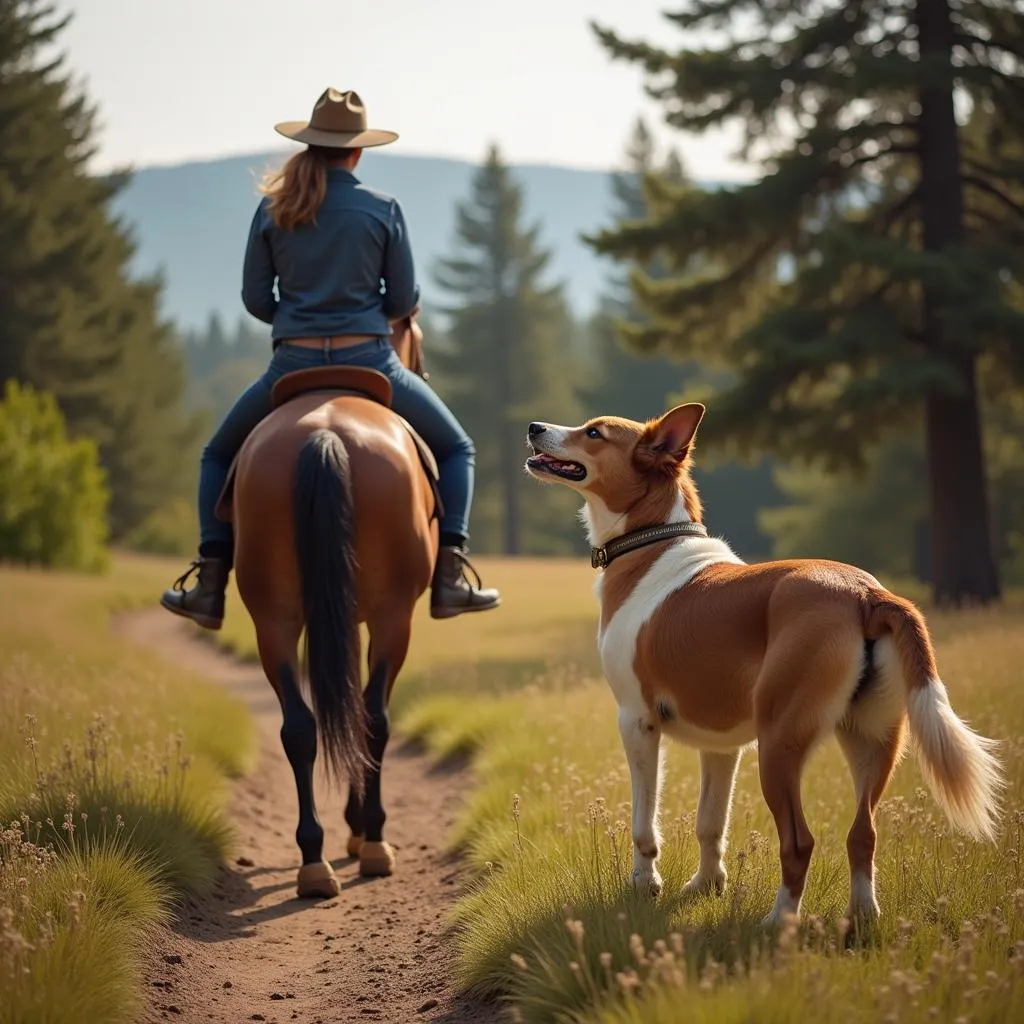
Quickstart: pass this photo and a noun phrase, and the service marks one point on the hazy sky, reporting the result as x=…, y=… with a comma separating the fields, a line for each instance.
x=182, y=79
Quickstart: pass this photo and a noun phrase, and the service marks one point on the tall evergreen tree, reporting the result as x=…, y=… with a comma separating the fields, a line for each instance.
x=506, y=359
x=72, y=321
x=873, y=205
x=624, y=381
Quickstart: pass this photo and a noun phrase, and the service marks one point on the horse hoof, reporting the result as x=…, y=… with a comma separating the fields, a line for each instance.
x=354, y=845
x=376, y=859
x=317, y=881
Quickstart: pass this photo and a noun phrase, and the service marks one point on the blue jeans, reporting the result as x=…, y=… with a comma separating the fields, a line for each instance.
x=413, y=399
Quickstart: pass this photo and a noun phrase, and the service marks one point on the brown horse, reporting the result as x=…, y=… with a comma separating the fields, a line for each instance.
x=335, y=525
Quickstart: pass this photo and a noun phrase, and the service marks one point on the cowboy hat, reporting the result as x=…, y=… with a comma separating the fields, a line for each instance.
x=339, y=122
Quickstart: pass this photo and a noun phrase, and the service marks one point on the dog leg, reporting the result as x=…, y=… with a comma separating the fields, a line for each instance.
x=717, y=778
x=802, y=692
x=872, y=762
x=780, y=763
x=642, y=742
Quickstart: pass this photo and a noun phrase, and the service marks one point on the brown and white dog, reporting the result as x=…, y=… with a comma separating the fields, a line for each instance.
x=719, y=654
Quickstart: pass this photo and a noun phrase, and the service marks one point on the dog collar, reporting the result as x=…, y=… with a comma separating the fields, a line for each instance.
x=601, y=558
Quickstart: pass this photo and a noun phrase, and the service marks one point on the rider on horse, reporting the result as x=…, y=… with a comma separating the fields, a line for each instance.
x=329, y=242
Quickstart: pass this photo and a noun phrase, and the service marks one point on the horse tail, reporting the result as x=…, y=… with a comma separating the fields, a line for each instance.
x=324, y=544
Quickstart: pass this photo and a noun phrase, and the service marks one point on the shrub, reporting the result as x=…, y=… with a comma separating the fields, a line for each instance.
x=53, y=492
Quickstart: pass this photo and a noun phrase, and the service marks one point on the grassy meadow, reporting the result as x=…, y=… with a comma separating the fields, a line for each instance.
x=550, y=924
x=112, y=762
x=112, y=765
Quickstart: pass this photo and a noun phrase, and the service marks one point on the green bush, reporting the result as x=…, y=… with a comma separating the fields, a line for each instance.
x=53, y=492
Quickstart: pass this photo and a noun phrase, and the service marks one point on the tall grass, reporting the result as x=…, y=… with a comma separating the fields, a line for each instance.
x=551, y=924
x=112, y=767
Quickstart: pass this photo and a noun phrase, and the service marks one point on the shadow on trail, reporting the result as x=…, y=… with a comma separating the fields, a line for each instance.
x=231, y=909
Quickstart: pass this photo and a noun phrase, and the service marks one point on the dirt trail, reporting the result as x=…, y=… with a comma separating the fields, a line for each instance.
x=252, y=951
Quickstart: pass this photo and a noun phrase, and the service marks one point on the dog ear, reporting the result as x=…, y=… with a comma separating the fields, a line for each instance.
x=666, y=441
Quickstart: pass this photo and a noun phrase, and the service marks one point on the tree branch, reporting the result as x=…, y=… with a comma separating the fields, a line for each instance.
x=872, y=296
x=1013, y=168
x=869, y=158
x=895, y=212
x=970, y=40
x=998, y=194
x=996, y=225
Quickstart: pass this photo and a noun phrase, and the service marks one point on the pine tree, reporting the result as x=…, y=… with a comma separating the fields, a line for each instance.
x=642, y=383
x=857, y=283
x=72, y=321
x=626, y=382
x=505, y=360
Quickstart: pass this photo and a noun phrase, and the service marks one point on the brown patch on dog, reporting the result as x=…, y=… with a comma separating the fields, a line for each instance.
x=705, y=645
x=648, y=849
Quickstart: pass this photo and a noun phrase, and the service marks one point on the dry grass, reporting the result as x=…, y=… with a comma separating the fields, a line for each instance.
x=111, y=768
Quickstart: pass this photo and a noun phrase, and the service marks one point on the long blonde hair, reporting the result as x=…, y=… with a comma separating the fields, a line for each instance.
x=297, y=189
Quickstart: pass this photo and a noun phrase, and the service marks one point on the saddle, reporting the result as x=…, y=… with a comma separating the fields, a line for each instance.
x=341, y=380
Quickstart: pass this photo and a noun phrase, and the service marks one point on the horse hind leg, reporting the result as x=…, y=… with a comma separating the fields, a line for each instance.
x=389, y=644
x=354, y=820
x=316, y=878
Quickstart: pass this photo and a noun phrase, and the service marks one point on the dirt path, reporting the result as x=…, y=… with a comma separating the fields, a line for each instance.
x=251, y=951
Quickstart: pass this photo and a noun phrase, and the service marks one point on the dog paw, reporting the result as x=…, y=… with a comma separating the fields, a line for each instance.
x=780, y=919
x=861, y=920
x=647, y=881
x=863, y=908
x=706, y=885
x=786, y=910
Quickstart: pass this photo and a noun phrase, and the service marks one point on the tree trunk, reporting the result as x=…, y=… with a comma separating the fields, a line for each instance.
x=921, y=557
x=512, y=482
x=511, y=447
x=963, y=566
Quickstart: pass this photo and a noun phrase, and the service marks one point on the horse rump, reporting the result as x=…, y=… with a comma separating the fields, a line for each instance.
x=324, y=544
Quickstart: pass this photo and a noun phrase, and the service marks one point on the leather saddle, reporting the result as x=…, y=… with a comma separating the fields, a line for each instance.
x=340, y=380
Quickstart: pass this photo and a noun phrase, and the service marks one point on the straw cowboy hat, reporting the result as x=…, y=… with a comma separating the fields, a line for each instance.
x=338, y=122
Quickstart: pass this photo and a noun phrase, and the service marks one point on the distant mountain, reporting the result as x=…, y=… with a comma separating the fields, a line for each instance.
x=191, y=221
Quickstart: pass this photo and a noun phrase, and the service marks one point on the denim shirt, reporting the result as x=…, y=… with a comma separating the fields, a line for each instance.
x=350, y=272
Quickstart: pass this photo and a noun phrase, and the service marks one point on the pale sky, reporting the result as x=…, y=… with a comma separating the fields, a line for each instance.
x=179, y=80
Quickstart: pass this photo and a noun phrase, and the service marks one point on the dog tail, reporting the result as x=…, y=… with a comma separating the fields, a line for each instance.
x=960, y=766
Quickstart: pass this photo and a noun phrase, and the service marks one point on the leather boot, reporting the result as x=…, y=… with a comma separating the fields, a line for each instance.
x=452, y=593
x=204, y=603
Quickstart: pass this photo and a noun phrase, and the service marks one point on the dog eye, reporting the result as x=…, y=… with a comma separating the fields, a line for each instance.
x=594, y=433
